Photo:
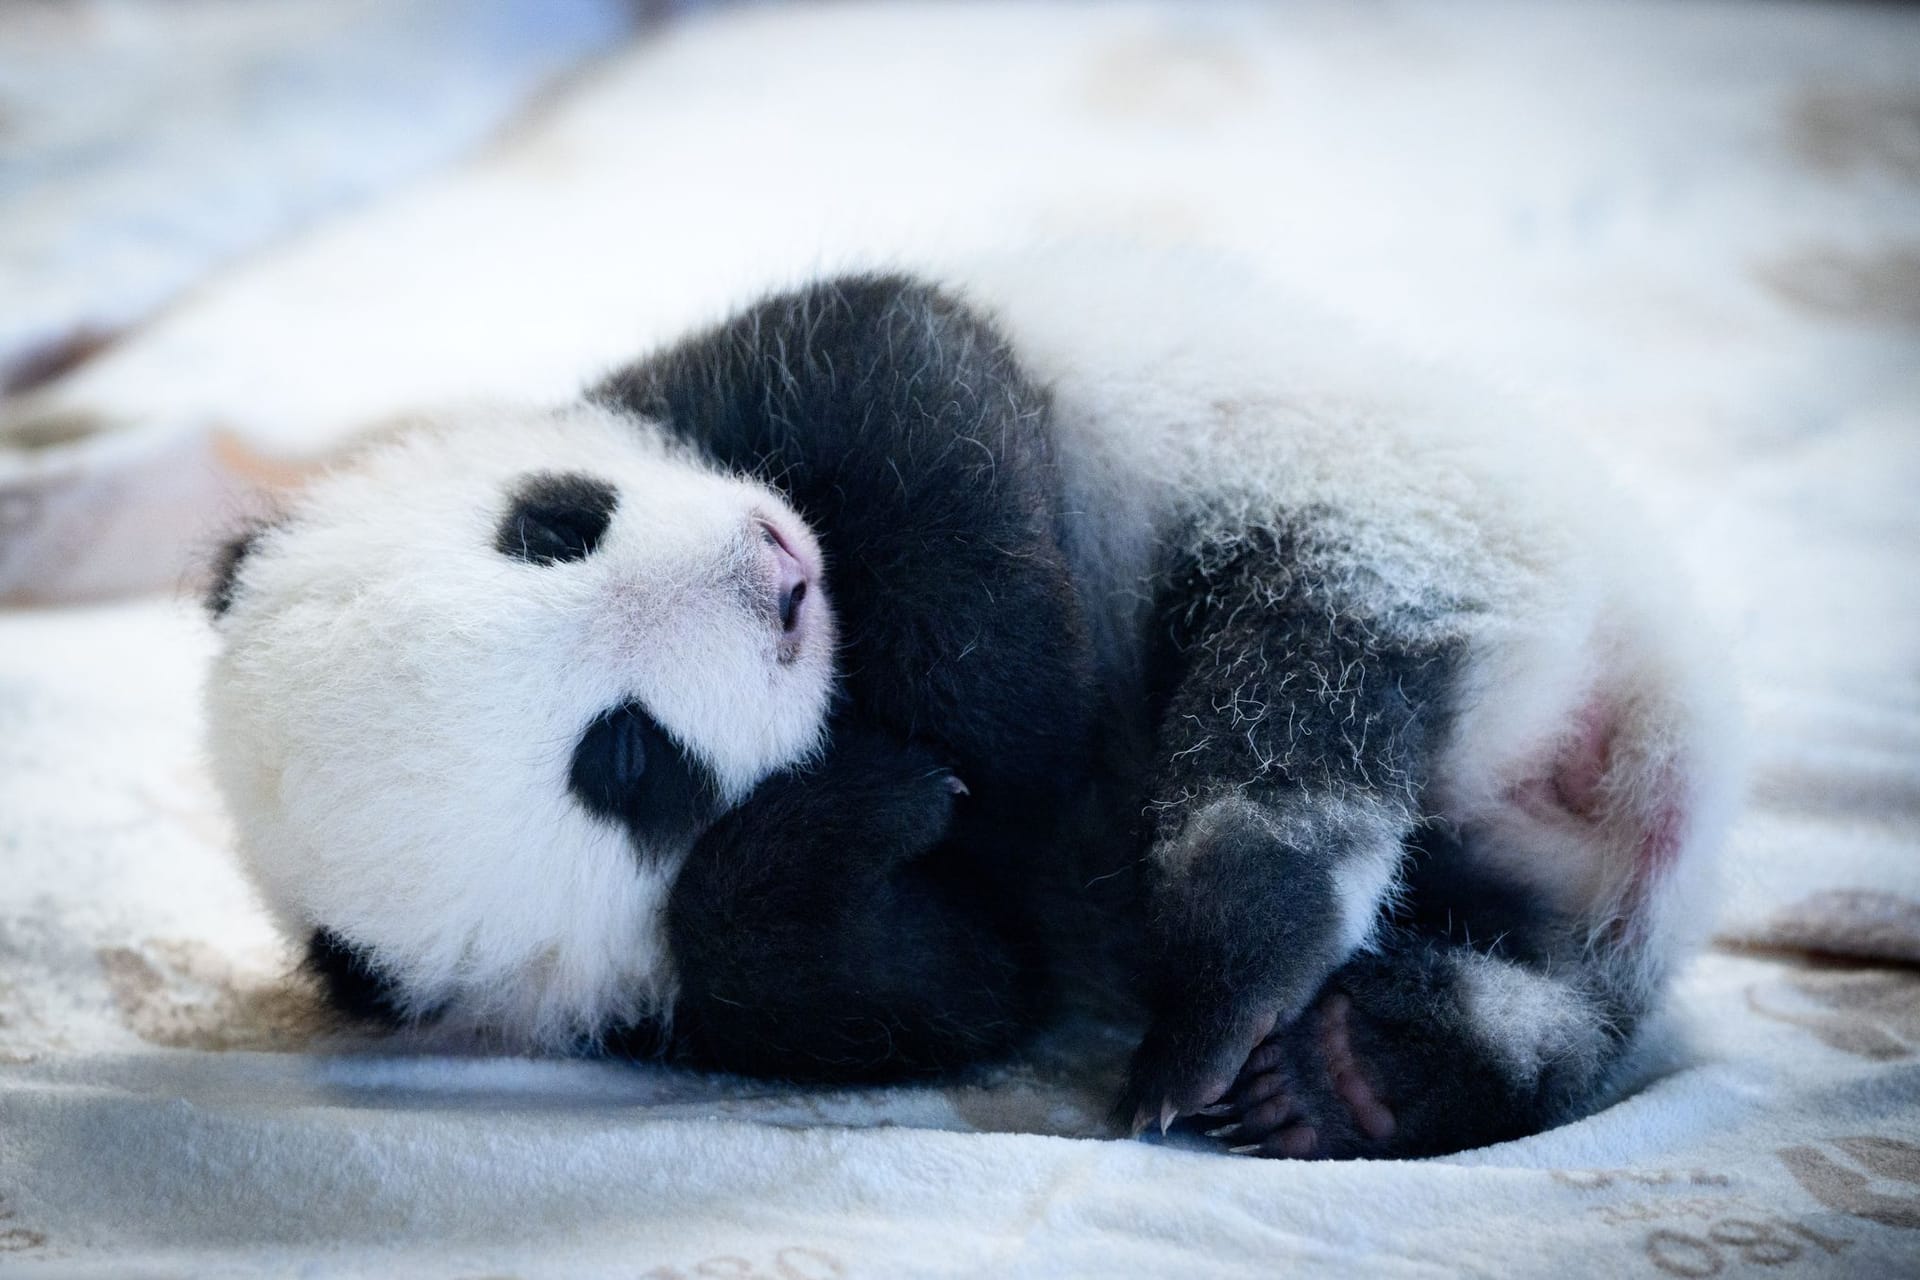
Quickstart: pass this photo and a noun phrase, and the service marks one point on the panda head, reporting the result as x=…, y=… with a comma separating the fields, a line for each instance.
x=481, y=689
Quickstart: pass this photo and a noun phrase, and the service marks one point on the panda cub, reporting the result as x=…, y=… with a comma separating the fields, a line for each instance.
x=773, y=705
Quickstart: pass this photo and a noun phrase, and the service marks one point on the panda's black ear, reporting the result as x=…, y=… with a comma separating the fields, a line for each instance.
x=350, y=981
x=226, y=566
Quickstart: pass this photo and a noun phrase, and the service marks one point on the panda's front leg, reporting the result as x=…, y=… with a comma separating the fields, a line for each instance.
x=1291, y=750
x=1256, y=899
x=853, y=920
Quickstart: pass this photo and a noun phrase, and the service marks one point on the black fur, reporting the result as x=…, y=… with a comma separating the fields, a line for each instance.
x=1258, y=678
x=224, y=580
x=1447, y=897
x=553, y=518
x=350, y=982
x=629, y=770
x=848, y=922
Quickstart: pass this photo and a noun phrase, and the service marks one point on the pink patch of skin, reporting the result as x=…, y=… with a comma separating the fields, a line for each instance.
x=1662, y=832
x=1582, y=767
x=1573, y=783
x=1277, y=1121
x=1578, y=780
x=1364, y=1104
x=1574, y=786
x=1660, y=838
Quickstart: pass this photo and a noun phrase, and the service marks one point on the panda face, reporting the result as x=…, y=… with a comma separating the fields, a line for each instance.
x=482, y=689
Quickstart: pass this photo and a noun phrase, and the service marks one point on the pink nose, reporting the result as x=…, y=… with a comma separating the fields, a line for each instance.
x=790, y=577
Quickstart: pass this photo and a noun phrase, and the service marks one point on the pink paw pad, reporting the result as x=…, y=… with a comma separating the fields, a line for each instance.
x=1269, y=1114
x=1370, y=1113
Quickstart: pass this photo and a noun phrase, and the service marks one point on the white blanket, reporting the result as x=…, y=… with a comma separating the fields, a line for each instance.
x=1691, y=230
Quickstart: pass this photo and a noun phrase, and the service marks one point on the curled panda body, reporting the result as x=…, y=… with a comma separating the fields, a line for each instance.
x=523, y=724
x=1438, y=761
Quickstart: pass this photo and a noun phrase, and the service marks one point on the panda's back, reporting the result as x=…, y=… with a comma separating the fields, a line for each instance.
x=1193, y=401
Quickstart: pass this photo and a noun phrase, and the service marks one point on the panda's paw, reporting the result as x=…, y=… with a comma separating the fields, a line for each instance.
x=1319, y=1085
x=1389, y=1062
x=1308, y=1092
x=871, y=790
x=1191, y=1057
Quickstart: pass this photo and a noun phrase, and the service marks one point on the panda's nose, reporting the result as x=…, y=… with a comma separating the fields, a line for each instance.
x=793, y=588
x=790, y=577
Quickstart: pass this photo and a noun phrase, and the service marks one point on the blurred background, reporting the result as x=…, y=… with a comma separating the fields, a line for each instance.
x=147, y=144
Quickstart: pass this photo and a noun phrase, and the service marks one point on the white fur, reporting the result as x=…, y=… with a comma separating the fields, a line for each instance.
x=1360, y=884
x=394, y=715
x=1527, y=1021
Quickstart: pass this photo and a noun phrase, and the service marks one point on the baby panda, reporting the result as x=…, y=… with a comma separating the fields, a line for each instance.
x=772, y=705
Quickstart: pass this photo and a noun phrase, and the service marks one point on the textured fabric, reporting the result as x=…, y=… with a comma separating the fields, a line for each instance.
x=1692, y=231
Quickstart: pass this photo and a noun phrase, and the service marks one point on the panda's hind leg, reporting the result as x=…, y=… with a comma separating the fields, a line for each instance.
x=1290, y=752
x=1475, y=1016
x=1334, y=975
x=1337, y=974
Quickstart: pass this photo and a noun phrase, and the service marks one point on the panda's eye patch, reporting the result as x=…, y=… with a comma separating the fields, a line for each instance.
x=627, y=769
x=554, y=517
